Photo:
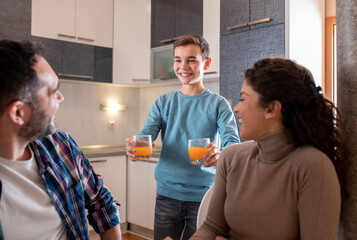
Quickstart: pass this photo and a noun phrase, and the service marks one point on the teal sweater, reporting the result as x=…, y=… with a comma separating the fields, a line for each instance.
x=181, y=117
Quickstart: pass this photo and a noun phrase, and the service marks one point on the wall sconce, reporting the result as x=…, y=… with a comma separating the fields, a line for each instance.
x=113, y=107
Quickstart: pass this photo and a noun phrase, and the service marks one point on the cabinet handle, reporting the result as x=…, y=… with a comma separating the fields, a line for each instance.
x=85, y=39
x=98, y=161
x=166, y=40
x=237, y=26
x=140, y=80
x=169, y=39
x=213, y=72
x=263, y=20
x=74, y=76
x=148, y=161
x=65, y=35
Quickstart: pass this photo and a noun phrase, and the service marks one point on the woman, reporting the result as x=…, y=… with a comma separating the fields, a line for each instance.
x=282, y=185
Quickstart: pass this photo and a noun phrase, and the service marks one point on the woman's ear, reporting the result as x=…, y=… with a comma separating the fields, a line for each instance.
x=207, y=63
x=273, y=109
x=18, y=112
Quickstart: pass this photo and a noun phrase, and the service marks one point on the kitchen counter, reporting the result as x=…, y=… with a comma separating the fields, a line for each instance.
x=93, y=151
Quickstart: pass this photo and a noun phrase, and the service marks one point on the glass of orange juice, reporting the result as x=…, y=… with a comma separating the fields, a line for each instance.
x=197, y=148
x=142, y=146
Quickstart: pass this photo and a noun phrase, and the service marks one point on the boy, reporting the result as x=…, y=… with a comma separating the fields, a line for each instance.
x=192, y=112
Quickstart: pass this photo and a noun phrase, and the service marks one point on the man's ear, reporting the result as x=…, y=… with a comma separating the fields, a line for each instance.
x=273, y=109
x=18, y=112
x=207, y=63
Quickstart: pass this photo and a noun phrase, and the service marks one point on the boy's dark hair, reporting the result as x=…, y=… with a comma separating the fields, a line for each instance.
x=18, y=80
x=196, y=40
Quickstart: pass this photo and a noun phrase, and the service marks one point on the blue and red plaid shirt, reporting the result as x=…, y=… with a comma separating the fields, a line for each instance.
x=73, y=186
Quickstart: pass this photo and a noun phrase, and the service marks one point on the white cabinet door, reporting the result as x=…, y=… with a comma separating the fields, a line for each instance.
x=137, y=193
x=113, y=170
x=141, y=193
x=151, y=194
x=82, y=21
x=54, y=19
x=131, y=47
x=94, y=22
x=85, y=20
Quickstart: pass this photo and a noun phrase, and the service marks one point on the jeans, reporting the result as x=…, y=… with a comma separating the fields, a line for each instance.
x=174, y=218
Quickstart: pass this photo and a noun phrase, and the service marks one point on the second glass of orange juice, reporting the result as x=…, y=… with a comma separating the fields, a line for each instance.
x=142, y=146
x=197, y=148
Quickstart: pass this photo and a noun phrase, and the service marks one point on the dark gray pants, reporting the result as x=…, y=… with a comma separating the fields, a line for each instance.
x=174, y=218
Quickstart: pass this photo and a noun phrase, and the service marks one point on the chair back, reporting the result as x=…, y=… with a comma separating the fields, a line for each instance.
x=202, y=210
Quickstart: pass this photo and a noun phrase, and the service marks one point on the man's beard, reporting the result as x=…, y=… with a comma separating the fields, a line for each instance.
x=38, y=126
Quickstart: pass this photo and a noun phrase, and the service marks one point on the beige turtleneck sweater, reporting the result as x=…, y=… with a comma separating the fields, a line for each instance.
x=270, y=189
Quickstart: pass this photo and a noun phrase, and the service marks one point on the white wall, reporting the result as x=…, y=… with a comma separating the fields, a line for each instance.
x=305, y=40
x=79, y=113
x=330, y=8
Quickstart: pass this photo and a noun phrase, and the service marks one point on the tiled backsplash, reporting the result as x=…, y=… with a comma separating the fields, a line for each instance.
x=79, y=113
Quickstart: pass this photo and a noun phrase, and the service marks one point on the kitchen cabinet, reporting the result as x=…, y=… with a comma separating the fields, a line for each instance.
x=243, y=42
x=113, y=170
x=171, y=19
x=239, y=51
x=83, y=21
x=286, y=34
x=211, y=32
x=131, y=47
x=141, y=193
x=243, y=15
x=15, y=21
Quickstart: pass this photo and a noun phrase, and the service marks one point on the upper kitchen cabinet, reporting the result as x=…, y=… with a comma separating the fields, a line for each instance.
x=276, y=28
x=243, y=15
x=171, y=19
x=131, y=47
x=83, y=21
x=211, y=26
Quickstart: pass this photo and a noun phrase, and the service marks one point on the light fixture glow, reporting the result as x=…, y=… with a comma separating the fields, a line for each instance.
x=113, y=107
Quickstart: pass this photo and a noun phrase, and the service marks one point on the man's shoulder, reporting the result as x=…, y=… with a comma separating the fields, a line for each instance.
x=55, y=147
x=57, y=135
x=59, y=140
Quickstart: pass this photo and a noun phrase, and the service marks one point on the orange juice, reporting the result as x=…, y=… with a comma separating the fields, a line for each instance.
x=197, y=152
x=143, y=151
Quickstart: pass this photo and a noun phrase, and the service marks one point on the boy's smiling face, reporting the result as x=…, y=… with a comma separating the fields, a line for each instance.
x=189, y=65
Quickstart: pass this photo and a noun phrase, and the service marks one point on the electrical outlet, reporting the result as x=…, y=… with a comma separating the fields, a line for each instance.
x=111, y=124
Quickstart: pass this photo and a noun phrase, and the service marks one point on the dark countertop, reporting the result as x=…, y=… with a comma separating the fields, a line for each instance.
x=93, y=151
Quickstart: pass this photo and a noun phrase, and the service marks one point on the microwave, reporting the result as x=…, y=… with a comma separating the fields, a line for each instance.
x=162, y=63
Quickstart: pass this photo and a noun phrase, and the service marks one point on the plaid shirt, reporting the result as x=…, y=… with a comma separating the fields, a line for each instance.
x=73, y=186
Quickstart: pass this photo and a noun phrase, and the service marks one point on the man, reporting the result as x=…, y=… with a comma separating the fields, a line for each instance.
x=47, y=183
x=188, y=113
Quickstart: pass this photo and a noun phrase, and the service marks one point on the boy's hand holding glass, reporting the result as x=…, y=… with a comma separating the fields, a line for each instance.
x=139, y=147
x=212, y=156
x=201, y=151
